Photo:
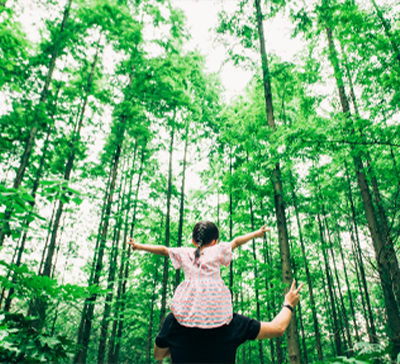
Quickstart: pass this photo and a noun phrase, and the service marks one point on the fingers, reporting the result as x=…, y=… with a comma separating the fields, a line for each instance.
x=265, y=229
x=293, y=285
x=299, y=288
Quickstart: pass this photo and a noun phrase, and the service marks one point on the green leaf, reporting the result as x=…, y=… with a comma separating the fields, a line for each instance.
x=77, y=200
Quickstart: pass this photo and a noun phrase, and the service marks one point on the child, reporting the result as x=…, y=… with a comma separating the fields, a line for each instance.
x=202, y=300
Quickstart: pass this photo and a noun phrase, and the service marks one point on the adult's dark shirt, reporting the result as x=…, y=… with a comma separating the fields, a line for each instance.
x=194, y=345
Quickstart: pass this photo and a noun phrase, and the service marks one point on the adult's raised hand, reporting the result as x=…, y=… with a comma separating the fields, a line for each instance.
x=292, y=298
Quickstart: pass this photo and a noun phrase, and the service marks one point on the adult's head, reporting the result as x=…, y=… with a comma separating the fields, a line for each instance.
x=204, y=233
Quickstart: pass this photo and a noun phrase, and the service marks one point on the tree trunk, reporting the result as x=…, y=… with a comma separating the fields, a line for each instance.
x=371, y=325
x=33, y=194
x=182, y=204
x=47, y=239
x=58, y=248
x=388, y=31
x=96, y=249
x=123, y=259
x=328, y=313
x=111, y=277
x=230, y=224
x=167, y=232
x=256, y=278
x=291, y=332
x=30, y=142
x=113, y=354
x=381, y=252
x=69, y=166
x=268, y=285
x=353, y=314
x=384, y=226
x=309, y=283
x=303, y=335
x=344, y=315
x=149, y=332
x=9, y=272
x=88, y=311
x=336, y=331
x=360, y=287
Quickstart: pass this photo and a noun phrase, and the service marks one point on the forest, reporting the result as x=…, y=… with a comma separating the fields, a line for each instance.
x=113, y=127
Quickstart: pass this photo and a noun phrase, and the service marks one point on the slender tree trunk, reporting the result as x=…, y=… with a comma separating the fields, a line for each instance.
x=353, y=314
x=149, y=332
x=336, y=331
x=58, y=248
x=9, y=272
x=182, y=204
x=291, y=332
x=39, y=174
x=123, y=259
x=255, y=279
x=113, y=355
x=47, y=238
x=360, y=287
x=69, y=166
x=268, y=285
x=167, y=232
x=96, y=249
x=88, y=311
x=309, y=282
x=300, y=319
x=84, y=334
x=33, y=194
x=231, y=224
x=303, y=335
x=328, y=312
x=30, y=142
x=372, y=331
x=111, y=277
x=381, y=251
x=346, y=322
x=385, y=231
x=384, y=226
x=388, y=31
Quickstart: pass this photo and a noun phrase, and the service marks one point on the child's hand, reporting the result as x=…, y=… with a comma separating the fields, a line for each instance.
x=260, y=233
x=135, y=246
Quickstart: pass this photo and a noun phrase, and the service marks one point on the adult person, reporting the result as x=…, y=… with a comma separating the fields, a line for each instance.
x=219, y=345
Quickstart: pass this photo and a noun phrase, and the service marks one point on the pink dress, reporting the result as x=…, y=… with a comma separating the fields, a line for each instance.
x=202, y=299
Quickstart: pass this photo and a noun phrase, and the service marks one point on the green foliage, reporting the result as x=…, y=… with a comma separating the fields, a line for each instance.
x=365, y=353
x=20, y=342
x=59, y=189
x=13, y=49
x=27, y=285
x=19, y=202
x=146, y=85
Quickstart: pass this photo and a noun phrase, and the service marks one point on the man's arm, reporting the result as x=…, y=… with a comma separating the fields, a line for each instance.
x=235, y=243
x=161, y=353
x=155, y=249
x=279, y=324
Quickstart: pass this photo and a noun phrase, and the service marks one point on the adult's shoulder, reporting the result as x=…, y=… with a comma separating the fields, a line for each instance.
x=245, y=327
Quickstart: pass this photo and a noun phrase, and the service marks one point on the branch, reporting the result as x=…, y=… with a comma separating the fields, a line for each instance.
x=343, y=141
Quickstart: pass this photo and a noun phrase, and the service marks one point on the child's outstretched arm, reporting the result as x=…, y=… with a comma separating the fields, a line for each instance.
x=240, y=240
x=155, y=249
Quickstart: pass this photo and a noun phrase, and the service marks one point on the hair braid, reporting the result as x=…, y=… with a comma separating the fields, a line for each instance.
x=204, y=232
x=200, y=240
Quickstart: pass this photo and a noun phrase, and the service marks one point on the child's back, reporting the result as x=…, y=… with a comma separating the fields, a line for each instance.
x=202, y=300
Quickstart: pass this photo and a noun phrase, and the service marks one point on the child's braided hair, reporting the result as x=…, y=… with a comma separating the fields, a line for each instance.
x=204, y=232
